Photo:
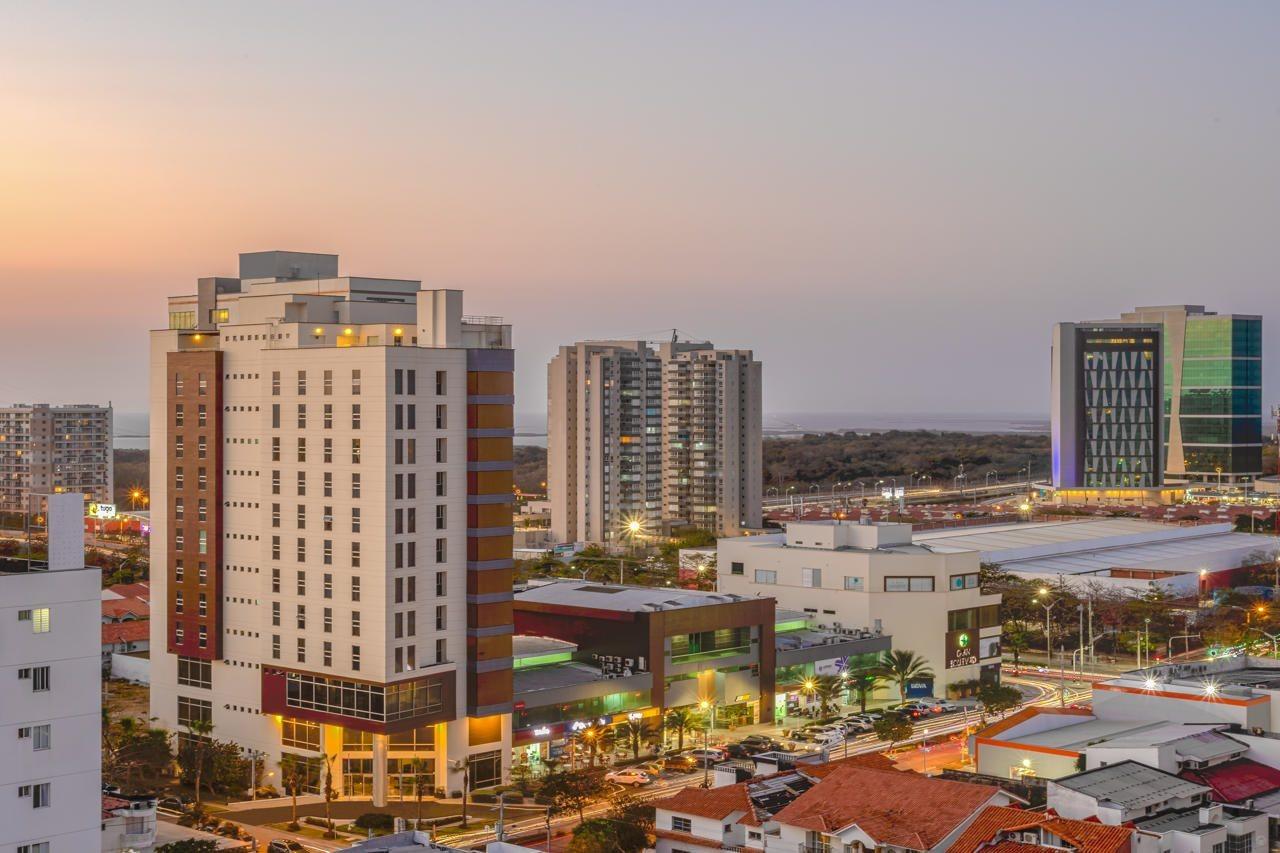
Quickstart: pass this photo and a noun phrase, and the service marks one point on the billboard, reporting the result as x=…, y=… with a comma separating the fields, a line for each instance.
x=102, y=512
x=962, y=649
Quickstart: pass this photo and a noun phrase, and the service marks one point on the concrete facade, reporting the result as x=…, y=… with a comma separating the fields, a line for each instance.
x=47, y=449
x=331, y=525
x=871, y=577
x=660, y=438
x=50, y=722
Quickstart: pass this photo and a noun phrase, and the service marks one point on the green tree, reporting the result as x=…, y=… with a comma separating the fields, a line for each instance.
x=422, y=779
x=893, y=729
x=605, y=835
x=573, y=790
x=683, y=720
x=293, y=775
x=826, y=689
x=1016, y=640
x=635, y=733
x=864, y=685
x=189, y=845
x=330, y=794
x=200, y=731
x=900, y=666
x=628, y=808
x=999, y=698
x=599, y=739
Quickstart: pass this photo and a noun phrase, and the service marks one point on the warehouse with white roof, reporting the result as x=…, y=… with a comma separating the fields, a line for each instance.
x=1123, y=552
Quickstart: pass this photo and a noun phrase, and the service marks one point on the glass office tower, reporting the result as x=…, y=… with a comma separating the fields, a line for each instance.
x=1212, y=393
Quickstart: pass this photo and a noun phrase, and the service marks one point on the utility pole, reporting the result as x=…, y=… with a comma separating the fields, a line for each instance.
x=1093, y=649
x=1080, y=610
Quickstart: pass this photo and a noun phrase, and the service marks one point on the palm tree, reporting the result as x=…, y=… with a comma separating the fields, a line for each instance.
x=422, y=770
x=899, y=666
x=634, y=731
x=331, y=794
x=826, y=689
x=865, y=684
x=292, y=773
x=682, y=720
x=200, y=730
x=599, y=740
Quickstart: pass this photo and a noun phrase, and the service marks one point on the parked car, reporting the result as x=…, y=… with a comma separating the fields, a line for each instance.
x=827, y=738
x=683, y=763
x=855, y=726
x=760, y=743
x=628, y=776
x=913, y=710
x=177, y=803
x=281, y=845
x=947, y=707
x=710, y=755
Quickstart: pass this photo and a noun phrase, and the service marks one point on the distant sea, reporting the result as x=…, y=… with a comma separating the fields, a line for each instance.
x=531, y=428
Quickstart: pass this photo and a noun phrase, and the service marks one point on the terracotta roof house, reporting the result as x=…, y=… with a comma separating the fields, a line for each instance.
x=823, y=808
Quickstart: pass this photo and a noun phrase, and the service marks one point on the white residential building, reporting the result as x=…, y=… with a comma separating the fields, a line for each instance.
x=50, y=722
x=652, y=438
x=46, y=449
x=331, y=525
x=858, y=577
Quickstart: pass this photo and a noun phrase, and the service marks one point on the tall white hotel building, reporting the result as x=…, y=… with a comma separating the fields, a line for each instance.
x=331, y=487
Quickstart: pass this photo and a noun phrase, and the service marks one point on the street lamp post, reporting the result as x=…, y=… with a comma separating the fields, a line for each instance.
x=707, y=705
x=1048, y=639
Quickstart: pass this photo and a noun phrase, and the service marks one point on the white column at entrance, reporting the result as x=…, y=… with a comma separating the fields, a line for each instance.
x=379, y=770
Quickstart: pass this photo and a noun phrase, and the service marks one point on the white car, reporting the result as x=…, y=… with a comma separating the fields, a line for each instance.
x=628, y=777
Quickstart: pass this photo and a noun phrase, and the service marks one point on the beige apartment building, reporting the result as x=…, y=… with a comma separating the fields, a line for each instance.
x=331, y=525
x=859, y=578
x=46, y=449
x=652, y=438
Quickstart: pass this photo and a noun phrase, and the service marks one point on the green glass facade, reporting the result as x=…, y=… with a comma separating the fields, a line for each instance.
x=1218, y=401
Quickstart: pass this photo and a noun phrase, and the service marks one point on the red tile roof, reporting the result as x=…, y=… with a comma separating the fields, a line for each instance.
x=717, y=803
x=894, y=808
x=1236, y=781
x=1085, y=835
x=126, y=632
x=111, y=804
x=117, y=609
x=141, y=589
x=870, y=760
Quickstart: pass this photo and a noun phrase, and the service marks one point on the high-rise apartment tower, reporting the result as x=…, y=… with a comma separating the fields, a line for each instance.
x=46, y=449
x=647, y=439
x=331, y=523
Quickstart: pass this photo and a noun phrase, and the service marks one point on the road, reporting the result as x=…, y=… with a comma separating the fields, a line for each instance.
x=1040, y=690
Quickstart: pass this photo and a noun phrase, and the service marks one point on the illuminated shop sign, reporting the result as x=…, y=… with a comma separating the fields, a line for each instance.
x=962, y=649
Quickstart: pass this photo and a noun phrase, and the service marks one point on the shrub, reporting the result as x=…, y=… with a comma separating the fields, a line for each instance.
x=484, y=797
x=375, y=820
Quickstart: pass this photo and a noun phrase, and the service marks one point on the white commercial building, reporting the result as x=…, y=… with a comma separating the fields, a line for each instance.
x=331, y=532
x=1123, y=553
x=639, y=440
x=47, y=449
x=50, y=669
x=852, y=577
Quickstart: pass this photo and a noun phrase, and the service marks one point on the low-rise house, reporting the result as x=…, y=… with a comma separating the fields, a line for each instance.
x=1001, y=829
x=1171, y=813
x=128, y=824
x=828, y=808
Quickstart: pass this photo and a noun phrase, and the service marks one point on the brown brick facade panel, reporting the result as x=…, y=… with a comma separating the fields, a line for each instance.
x=194, y=550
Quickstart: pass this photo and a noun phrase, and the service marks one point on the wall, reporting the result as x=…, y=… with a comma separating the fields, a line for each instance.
x=131, y=668
x=997, y=760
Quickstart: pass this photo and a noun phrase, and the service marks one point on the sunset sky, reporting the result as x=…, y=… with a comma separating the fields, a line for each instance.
x=890, y=203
